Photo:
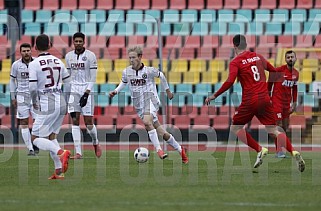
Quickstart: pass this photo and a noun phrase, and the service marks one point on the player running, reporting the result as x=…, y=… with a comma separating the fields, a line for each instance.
x=46, y=74
x=249, y=68
x=140, y=80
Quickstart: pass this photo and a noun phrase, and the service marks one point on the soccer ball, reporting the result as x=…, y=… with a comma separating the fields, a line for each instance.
x=141, y=154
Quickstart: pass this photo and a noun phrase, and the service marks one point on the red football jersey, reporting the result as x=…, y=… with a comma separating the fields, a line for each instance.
x=249, y=68
x=284, y=84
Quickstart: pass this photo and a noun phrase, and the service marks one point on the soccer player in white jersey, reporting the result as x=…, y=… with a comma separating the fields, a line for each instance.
x=20, y=96
x=141, y=82
x=46, y=74
x=82, y=65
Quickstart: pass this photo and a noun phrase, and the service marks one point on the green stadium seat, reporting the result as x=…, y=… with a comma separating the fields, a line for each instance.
x=189, y=16
x=311, y=27
x=4, y=16
x=203, y=89
x=236, y=28
x=262, y=15
x=207, y=16
x=69, y=28
x=52, y=29
x=152, y=15
x=171, y=16
x=200, y=28
x=315, y=15
x=116, y=16
x=218, y=28
x=298, y=15
x=188, y=88
x=32, y=29
x=182, y=29
x=5, y=99
x=165, y=29
x=89, y=29
x=225, y=15
x=243, y=16
x=103, y=100
x=26, y=16
x=255, y=28
x=144, y=29
x=273, y=29
x=43, y=16
x=61, y=16
x=125, y=29
x=134, y=16
x=80, y=16
x=106, y=88
x=107, y=29
x=292, y=28
x=280, y=15
x=97, y=16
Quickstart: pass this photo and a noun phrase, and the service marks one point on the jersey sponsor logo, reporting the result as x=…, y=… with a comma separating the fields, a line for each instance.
x=77, y=65
x=24, y=75
x=288, y=83
x=137, y=82
x=84, y=58
x=144, y=76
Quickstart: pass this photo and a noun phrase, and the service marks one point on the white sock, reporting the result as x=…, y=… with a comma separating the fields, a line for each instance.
x=93, y=134
x=76, y=136
x=56, y=159
x=171, y=141
x=154, y=139
x=46, y=144
x=25, y=133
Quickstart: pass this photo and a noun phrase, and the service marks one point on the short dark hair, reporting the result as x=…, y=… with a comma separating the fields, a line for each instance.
x=78, y=34
x=239, y=41
x=289, y=52
x=42, y=42
x=25, y=45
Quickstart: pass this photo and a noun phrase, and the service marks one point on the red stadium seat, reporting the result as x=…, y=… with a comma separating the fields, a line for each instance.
x=32, y=4
x=172, y=41
x=150, y=53
x=1, y=4
x=267, y=41
x=270, y=4
x=304, y=4
x=205, y=53
x=152, y=42
x=97, y=41
x=124, y=121
x=196, y=4
x=297, y=121
x=112, y=53
x=104, y=123
x=68, y=4
x=141, y=4
x=317, y=4
x=112, y=111
x=24, y=39
x=182, y=121
x=227, y=41
x=186, y=53
x=135, y=40
x=192, y=42
x=287, y=4
x=264, y=51
x=317, y=42
x=232, y=4
x=159, y=4
x=123, y=5
x=60, y=41
x=50, y=4
x=105, y=4
x=209, y=111
x=86, y=4
x=189, y=110
x=116, y=42
x=177, y=4
x=214, y=4
x=285, y=41
x=224, y=53
x=201, y=122
x=221, y=122
x=250, y=4
x=304, y=41
x=210, y=41
x=251, y=40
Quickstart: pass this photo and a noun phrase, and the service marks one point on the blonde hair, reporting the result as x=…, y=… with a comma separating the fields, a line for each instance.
x=136, y=49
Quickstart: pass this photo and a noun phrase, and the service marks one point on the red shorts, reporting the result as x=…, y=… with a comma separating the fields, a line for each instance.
x=262, y=109
x=281, y=111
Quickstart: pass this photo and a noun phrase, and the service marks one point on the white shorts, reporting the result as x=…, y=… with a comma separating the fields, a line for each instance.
x=48, y=122
x=152, y=110
x=73, y=105
x=24, y=108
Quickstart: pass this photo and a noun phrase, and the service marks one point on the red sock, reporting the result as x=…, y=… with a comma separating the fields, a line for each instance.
x=58, y=171
x=283, y=140
x=246, y=138
x=60, y=152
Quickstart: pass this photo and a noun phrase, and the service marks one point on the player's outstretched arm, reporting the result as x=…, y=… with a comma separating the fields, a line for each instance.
x=120, y=87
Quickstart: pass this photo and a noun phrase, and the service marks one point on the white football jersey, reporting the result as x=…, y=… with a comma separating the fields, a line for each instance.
x=49, y=72
x=19, y=71
x=82, y=69
x=142, y=85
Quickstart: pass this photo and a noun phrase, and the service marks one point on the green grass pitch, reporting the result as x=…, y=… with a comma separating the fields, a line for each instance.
x=211, y=181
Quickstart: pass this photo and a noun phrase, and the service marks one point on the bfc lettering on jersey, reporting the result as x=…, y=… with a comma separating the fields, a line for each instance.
x=137, y=82
x=80, y=65
x=289, y=83
x=48, y=61
x=24, y=75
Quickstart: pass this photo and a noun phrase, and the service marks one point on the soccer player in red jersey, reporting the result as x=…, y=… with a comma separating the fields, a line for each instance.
x=284, y=93
x=249, y=68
